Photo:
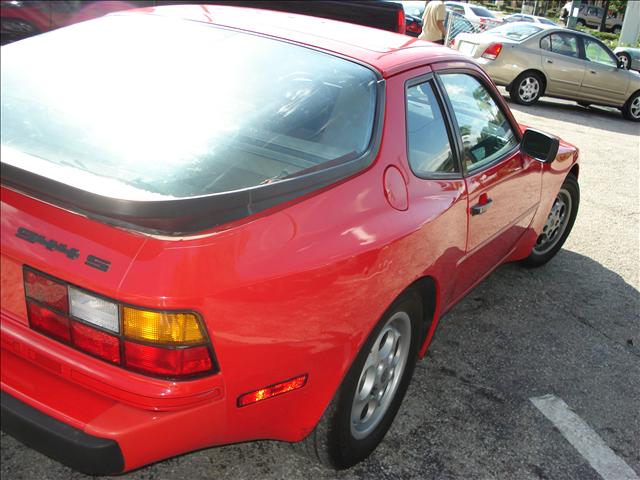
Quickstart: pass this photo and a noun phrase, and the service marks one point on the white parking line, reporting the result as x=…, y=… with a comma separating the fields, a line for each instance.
x=584, y=439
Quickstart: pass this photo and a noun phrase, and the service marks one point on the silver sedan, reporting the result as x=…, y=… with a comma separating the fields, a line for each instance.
x=532, y=60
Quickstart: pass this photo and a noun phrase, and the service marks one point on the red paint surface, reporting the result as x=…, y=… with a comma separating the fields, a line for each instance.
x=290, y=292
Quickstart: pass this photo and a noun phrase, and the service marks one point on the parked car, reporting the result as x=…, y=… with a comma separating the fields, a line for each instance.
x=475, y=13
x=413, y=11
x=533, y=60
x=23, y=18
x=520, y=17
x=591, y=16
x=251, y=233
x=629, y=57
x=413, y=25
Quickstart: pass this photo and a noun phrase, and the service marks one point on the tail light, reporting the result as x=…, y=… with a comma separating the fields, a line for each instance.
x=414, y=27
x=492, y=51
x=158, y=343
x=402, y=27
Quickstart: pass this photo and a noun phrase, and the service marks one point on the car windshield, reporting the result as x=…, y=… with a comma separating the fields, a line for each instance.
x=515, y=31
x=546, y=21
x=120, y=106
x=482, y=12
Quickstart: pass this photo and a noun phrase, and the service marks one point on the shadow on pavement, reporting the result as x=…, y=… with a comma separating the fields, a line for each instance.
x=603, y=118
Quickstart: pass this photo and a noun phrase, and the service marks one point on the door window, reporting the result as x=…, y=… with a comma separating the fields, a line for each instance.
x=562, y=43
x=428, y=145
x=595, y=52
x=486, y=133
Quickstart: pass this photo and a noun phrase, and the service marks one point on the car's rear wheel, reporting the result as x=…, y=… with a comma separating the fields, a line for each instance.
x=625, y=58
x=616, y=29
x=527, y=88
x=558, y=225
x=364, y=407
x=631, y=109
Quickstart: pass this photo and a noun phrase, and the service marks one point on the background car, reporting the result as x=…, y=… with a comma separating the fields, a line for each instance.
x=630, y=57
x=257, y=245
x=591, y=16
x=474, y=13
x=533, y=60
x=521, y=17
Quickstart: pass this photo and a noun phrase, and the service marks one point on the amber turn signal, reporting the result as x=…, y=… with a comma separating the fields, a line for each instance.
x=161, y=327
x=272, y=391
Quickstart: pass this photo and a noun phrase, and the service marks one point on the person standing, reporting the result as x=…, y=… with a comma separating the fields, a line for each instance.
x=433, y=22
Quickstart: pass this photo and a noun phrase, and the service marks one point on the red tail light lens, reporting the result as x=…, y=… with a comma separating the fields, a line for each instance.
x=175, y=343
x=401, y=21
x=48, y=322
x=492, y=51
x=166, y=361
x=47, y=291
x=96, y=342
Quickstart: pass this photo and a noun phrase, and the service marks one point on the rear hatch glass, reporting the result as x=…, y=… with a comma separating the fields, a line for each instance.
x=144, y=108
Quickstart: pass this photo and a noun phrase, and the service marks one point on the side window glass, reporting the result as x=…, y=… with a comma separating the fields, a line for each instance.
x=428, y=145
x=564, y=44
x=484, y=128
x=596, y=53
x=545, y=43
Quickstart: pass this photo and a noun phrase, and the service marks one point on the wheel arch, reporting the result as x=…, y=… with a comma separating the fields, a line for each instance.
x=575, y=170
x=427, y=288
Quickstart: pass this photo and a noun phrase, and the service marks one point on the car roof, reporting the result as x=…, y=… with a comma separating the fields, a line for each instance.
x=387, y=52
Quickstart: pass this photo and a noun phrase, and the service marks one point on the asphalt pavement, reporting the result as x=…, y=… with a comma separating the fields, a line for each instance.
x=570, y=329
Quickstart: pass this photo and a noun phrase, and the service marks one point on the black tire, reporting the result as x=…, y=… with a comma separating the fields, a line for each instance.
x=616, y=29
x=626, y=58
x=332, y=442
x=527, y=88
x=631, y=109
x=581, y=22
x=541, y=252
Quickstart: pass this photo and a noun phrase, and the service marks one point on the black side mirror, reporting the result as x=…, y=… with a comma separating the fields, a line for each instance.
x=539, y=145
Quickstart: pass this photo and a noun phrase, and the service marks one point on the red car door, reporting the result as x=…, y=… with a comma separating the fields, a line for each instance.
x=503, y=186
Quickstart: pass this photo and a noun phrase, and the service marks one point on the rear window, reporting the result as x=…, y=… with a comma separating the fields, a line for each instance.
x=177, y=109
x=482, y=12
x=516, y=31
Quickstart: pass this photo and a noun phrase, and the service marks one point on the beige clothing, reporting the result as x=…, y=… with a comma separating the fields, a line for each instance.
x=434, y=12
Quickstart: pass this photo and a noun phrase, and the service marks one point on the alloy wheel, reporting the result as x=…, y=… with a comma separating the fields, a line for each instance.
x=556, y=223
x=625, y=61
x=634, y=108
x=381, y=375
x=528, y=89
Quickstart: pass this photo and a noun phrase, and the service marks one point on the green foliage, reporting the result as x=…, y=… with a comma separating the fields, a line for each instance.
x=618, y=6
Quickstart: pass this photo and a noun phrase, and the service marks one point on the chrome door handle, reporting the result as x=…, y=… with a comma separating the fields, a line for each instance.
x=479, y=209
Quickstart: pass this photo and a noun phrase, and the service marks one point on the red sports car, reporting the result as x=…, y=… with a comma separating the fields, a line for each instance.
x=218, y=230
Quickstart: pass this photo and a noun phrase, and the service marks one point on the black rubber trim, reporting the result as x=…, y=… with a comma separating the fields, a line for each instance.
x=66, y=444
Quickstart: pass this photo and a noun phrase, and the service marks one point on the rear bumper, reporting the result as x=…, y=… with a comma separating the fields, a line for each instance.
x=66, y=444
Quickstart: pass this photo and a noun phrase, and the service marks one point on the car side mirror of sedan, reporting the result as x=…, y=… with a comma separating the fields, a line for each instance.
x=539, y=145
